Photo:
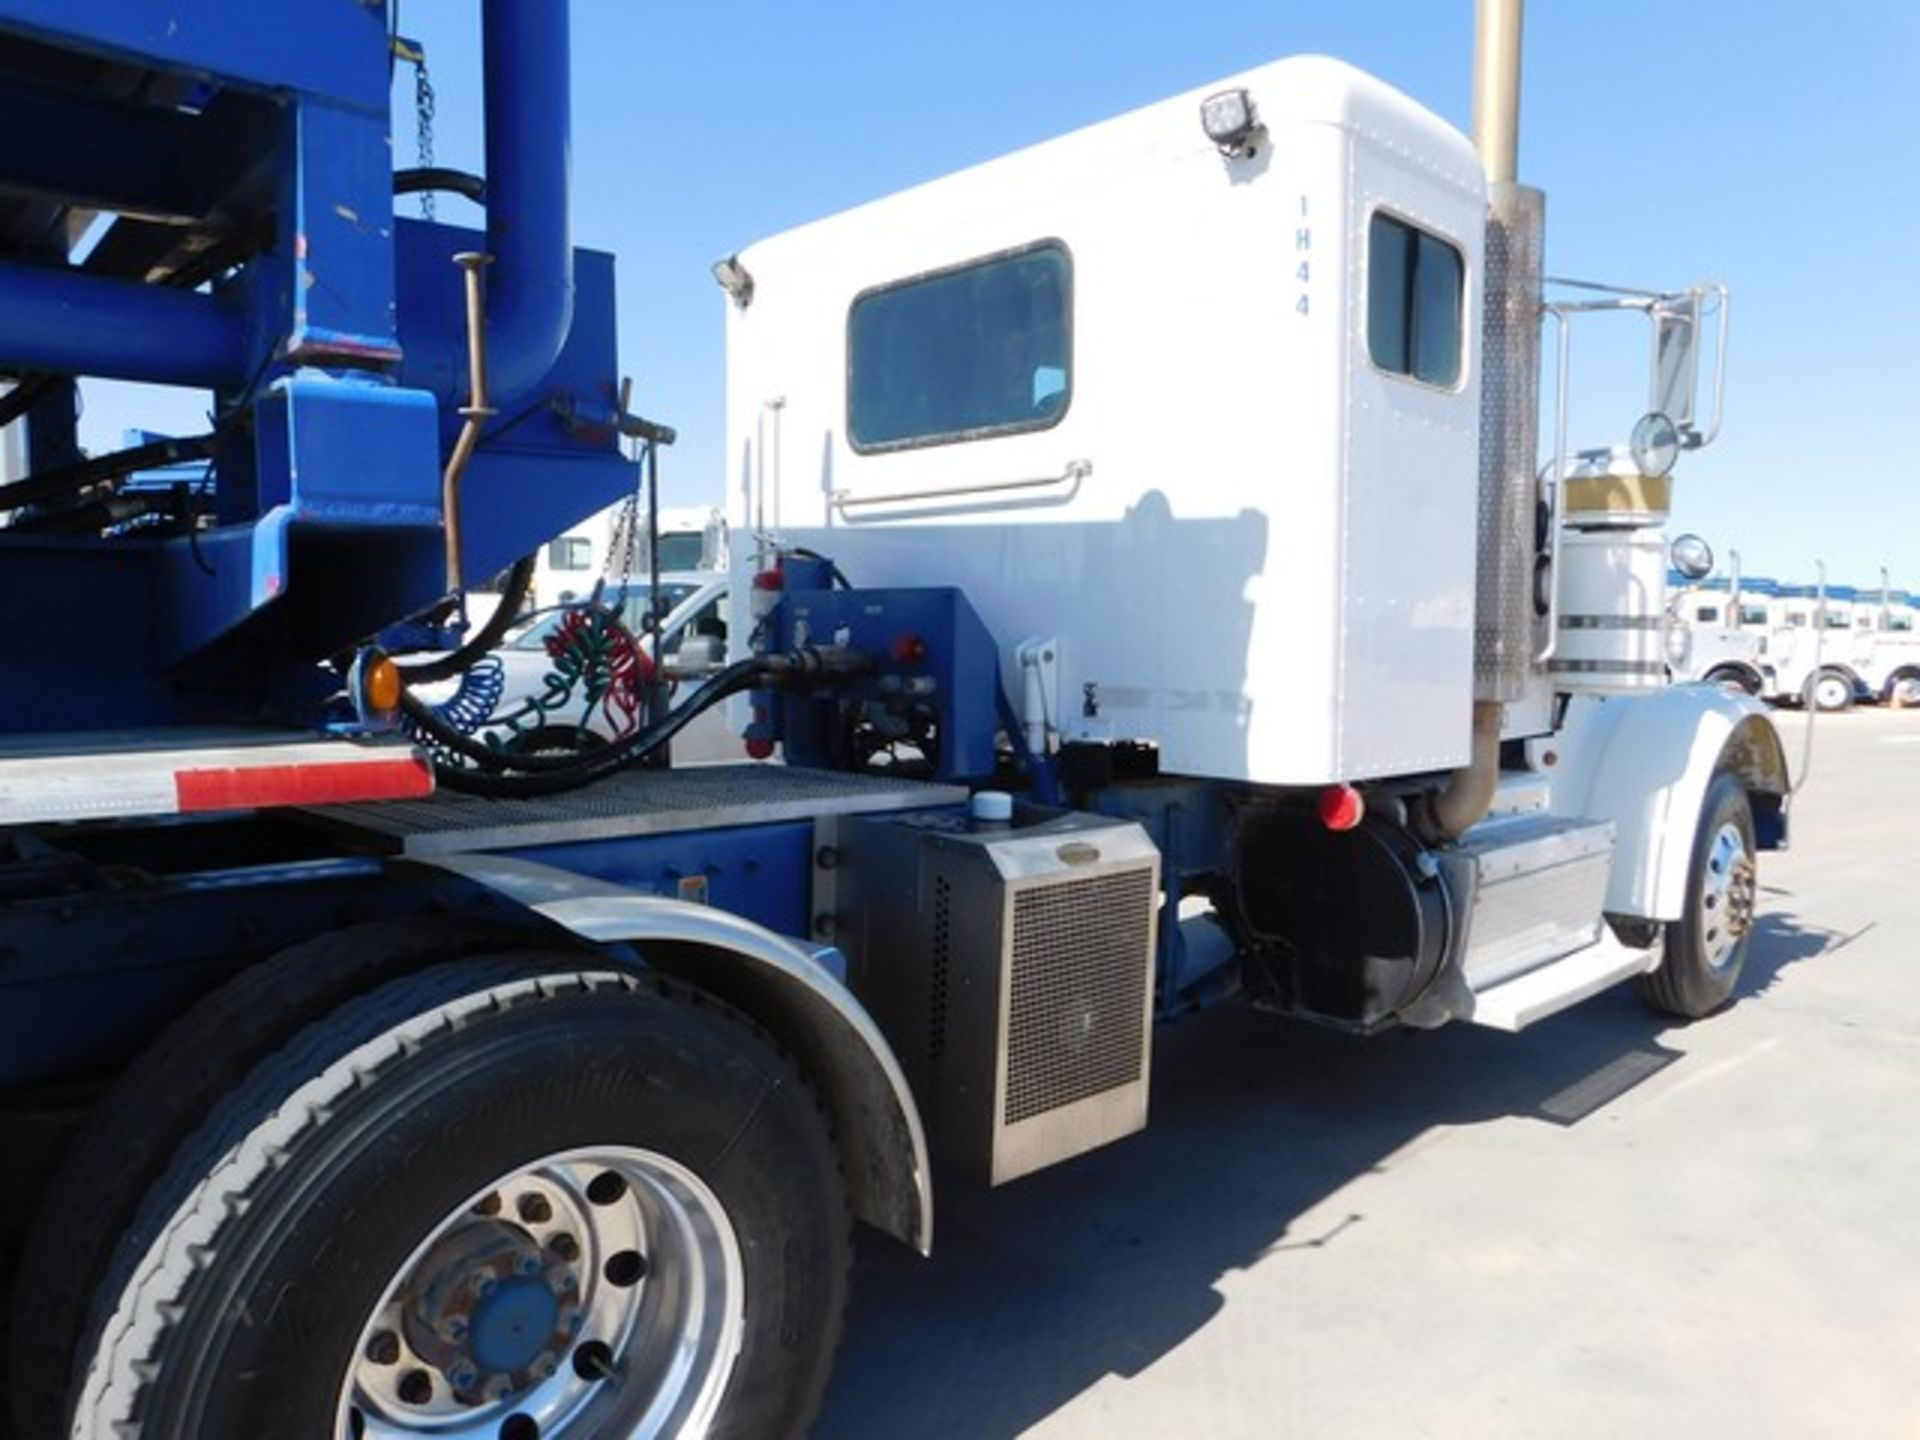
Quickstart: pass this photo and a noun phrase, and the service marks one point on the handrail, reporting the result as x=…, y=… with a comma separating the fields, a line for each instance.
x=1075, y=472
x=1719, y=367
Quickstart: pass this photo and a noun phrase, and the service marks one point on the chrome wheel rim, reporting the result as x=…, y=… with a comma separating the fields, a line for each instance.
x=591, y=1293
x=1906, y=692
x=1726, y=896
x=1830, y=692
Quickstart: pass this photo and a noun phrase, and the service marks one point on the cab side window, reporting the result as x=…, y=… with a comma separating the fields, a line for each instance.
x=1415, y=284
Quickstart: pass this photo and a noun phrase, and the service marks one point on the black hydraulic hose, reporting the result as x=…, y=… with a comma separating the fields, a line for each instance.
x=551, y=774
x=519, y=581
x=438, y=177
x=99, y=469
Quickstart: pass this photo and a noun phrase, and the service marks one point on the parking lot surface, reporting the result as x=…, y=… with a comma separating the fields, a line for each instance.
x=1607, y=1225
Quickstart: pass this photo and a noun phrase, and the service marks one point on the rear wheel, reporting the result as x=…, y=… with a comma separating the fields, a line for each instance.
x=1707, y=947
x=1903, y=690
x=162, y=1098
x=1830, y=690
x=513, y=1199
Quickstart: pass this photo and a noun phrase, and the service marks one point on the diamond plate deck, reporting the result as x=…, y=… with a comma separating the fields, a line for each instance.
x=634, y=802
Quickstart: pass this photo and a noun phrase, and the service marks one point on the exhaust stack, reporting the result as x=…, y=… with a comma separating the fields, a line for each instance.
x=1503, y=629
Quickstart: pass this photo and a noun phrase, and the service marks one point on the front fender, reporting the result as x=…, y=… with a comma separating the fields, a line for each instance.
x=782, y=987
x=1644, y=762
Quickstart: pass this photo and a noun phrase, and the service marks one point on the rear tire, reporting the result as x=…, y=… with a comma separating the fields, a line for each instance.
x=1903, y=690
x=245, y=1302
x=1707, y=947
x=166, y=1094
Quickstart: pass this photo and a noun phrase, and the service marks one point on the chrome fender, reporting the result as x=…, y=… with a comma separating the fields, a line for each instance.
x=1644, y=762
x=782, y=987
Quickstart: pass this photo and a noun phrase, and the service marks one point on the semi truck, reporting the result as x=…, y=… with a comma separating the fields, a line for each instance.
x=1824, y=645
x=1161, y=602
x=1887, y=660
x=1720, y=630
x=1814, y=646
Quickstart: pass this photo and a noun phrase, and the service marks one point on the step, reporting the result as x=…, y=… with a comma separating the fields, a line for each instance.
x=1516, y=1003
x=1527, y=889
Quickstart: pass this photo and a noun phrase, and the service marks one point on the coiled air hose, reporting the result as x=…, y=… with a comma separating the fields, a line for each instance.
x=552, y=774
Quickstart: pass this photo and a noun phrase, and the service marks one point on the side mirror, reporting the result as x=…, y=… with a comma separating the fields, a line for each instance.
x=1654, y=444
x=1692, y=557
x=1676, y=356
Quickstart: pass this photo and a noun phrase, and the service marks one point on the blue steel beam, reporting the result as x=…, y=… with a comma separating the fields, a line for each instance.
x=65, y=322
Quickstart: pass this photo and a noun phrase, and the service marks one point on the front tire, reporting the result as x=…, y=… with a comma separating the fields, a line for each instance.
x=1707, y=947
x=1830, y=691
x=515, y=1197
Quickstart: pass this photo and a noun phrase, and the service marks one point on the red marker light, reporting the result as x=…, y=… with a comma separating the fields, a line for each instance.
x=1341, y=807
x=758, y=749
x=769, y=580
x=909, y=648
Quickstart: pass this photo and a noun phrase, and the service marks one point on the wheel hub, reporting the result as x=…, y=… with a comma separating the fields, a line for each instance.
x=1727, y=895
x=591, y=1295
x=491, y=1310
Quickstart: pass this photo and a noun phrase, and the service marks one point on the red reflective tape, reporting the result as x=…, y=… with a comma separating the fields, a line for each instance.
x=332, y=782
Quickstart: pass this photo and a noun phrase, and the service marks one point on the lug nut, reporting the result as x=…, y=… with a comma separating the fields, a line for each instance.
x=453, y=1329
x=535, y=1209
x=463, y=1376
x=565, y=1246
x=488, y=1205
x=383, y=1347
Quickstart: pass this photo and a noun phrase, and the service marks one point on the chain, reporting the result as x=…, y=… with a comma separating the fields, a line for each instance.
x=626, y=534
x=423, y=118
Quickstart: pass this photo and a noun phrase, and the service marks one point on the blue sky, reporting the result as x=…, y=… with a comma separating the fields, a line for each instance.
x=1764, y=144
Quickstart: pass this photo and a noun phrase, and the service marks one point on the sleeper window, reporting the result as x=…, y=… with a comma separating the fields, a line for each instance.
x=962, y=354
x=1414, y=286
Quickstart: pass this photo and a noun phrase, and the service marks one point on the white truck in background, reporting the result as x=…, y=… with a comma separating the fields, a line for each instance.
x=1720, y=630
x=612, y=546
x=1888, y=645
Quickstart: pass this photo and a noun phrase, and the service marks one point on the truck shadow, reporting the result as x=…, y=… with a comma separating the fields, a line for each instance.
x=1103, y=1265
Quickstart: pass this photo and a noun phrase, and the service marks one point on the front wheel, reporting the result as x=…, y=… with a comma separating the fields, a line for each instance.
x=1707, y=946
x=1830, y=691
x=502, y=1199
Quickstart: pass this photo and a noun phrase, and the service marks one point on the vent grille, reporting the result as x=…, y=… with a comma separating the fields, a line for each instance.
x=1078, y=990
x=942, y=967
